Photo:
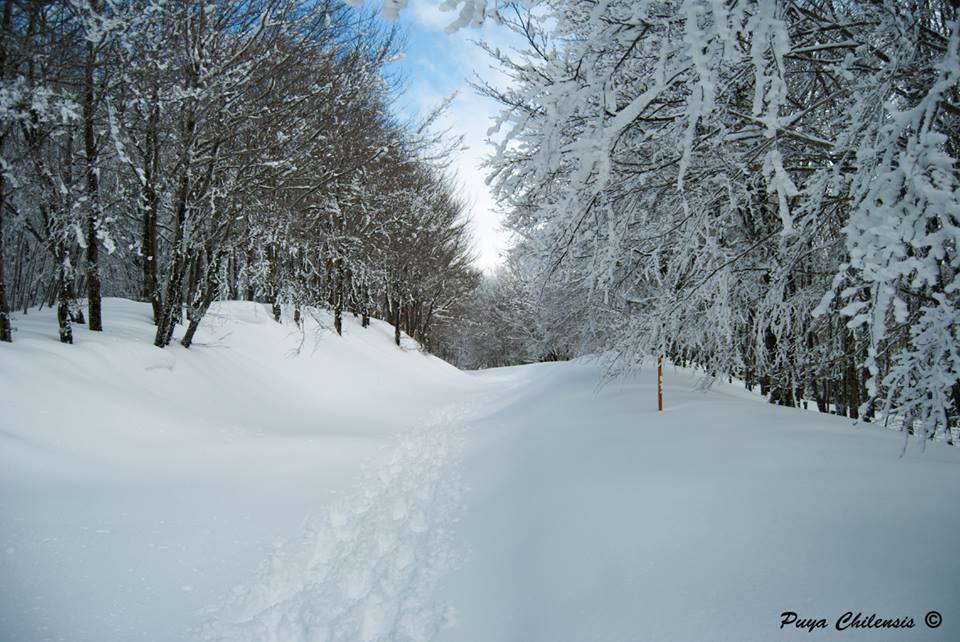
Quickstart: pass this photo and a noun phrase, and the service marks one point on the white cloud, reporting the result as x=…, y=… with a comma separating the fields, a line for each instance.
x=430, y=15
x=470, y=114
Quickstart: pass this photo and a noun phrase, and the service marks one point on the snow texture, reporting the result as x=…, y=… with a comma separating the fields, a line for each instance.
x=161, y=478
x=367, y=567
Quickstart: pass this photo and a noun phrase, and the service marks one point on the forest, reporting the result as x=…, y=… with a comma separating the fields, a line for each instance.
x=186, y=152
x=263, y=378
x=766, y=191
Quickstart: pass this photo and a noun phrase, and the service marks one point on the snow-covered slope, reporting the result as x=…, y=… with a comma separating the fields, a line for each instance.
x=592, y=517
x=241, y=491
x=138, y=485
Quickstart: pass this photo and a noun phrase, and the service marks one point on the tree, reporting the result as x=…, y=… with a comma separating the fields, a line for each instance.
x=712, y=174
x=219, y=150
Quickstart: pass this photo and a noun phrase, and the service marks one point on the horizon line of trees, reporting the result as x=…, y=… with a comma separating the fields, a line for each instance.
x=181, y=152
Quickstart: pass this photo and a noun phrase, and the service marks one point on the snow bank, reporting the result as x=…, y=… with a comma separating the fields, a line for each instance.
x=137, y=485
x=592, y=517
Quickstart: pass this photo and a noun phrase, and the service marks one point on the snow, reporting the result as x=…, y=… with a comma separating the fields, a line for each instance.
x=240, y=490
x=368, y=567
x=195, y=461
x=600, y=519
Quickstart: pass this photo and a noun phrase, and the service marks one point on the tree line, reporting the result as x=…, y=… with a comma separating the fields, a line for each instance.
x=181, y=152
x=766, y=190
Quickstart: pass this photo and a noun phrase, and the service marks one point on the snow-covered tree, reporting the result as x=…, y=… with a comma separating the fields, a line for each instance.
x=218, y=149
x=708, y=172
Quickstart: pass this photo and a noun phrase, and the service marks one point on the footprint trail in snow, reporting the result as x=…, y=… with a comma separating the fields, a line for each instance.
x=366, y=568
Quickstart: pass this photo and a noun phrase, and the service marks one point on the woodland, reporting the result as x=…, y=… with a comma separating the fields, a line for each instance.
x=766, y=191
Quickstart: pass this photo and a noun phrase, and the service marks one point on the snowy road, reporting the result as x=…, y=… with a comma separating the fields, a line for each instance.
x=367, y=567
x=590, y=518
x=394, y=498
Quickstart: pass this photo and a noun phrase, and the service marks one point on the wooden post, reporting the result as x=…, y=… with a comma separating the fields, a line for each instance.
x=660, y=383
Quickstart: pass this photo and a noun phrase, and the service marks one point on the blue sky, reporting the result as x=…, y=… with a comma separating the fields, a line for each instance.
x=436, y=65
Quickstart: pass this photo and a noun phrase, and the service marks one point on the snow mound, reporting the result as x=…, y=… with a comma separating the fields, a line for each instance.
x=137, y=484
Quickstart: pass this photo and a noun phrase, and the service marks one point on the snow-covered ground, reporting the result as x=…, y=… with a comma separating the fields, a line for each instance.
x=354, y=491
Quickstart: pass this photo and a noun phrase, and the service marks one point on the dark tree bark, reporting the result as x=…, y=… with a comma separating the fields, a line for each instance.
x=820, y=390
x=425, y=331
x=275, y=278
x=6, y=330
x=955, y=394
x=365, y=308
x=248, y=292
x=851, y=380
x=92, y=271
x=396, y=323
x=64, y=293
x=338, y=296
x=199, y=310
x=172, y=311
x=173, y=297
x=150, y=201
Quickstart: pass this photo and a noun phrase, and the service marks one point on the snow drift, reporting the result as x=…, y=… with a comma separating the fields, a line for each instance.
x=271, y=486
x=138, y=486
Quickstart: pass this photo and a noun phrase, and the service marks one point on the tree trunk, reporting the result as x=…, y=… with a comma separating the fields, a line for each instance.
x=851, y=381
x=425, y=330
x=820, y=390
x=767, y=386
x=63, y=292
x=198, y=311
x=365, y=308
x=179, y=260
x=396, y=323
x=173, y=298
x=151, y=285
x=249, y=294
x=338, y=298
x=187, y=340
x=955, y=394
x=274, y=278
x=6, y=330
x=95, y=321
x=233, y=278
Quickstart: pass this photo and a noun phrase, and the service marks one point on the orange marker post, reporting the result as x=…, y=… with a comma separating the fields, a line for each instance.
x=660, y=383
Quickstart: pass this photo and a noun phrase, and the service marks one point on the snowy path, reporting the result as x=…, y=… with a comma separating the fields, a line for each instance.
x=145, y=493
x=367, y=567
